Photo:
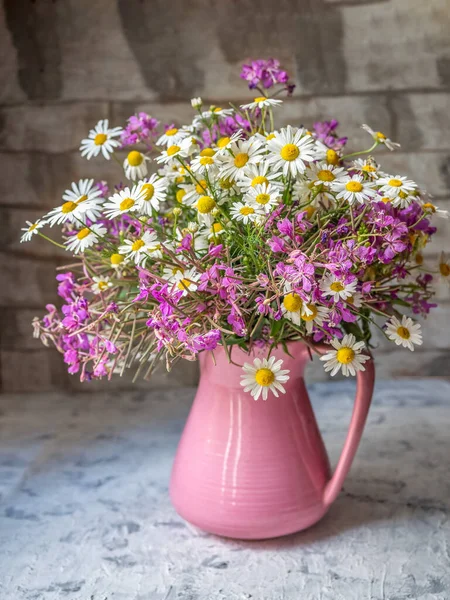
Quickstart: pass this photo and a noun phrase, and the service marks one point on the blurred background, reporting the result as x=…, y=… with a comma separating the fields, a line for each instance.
x=65, y=64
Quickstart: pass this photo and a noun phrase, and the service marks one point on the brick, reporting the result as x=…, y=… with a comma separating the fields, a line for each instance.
x=10, y=90
x=423, y=121
x=394, y=45
x=17, y=331
x=27, y=283
x=51, y=128
x=36, y=370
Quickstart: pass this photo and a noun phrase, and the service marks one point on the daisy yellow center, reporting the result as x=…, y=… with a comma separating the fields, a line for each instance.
x=217, y=109
x=200, y=187
x=149, y=190
x=419, y=259
x=444, y=269
x=171, y=132
x=100, y=139
x=126, y=204
x=403, y=332
x=336, y=286
x=216, y=228
x=68, y=207
x=386, y=199
x=345, y=355
x=270, y=136
x=82, y=198
x=116, y=259
x=368, y=168
x=403, y=194
x=262, y=198
x=240, y=160
x=180, y=195
x=135, y=158
x=247, y=210
x=354, y=186
x=226, y=184
x=429, y=206
x=183, y=284
x=137, y=245
x=205, y=204
x=380, y=136
x=332, y=157
x=179, y=179
x=176, y=270
x=102, y=285
x=172, y=150
x=313, y=315
x=258, y=180
x=260, y=99
x=207, y=152
x=83, y=233
x=223, y=141
x=351, y=300
x=264, y=377
x=289, y=152
x=325, y=175
x=206, y=160
x=395, y=182
x=292, y=302
x=310, y=210
x=32, y=227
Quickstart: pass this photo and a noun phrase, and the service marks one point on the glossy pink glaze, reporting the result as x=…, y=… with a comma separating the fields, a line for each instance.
x=254, y=470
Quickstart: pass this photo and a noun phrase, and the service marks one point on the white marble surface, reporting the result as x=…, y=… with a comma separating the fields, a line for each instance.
x=85, y=514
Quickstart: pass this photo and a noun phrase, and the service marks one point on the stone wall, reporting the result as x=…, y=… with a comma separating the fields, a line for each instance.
x=67, y=63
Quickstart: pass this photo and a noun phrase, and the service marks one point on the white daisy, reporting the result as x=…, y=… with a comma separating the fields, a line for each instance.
x=186, y=281
x=238, y=156
x=171, y=154
x=291, y=307
x=193, y=191
x=258, y=174
x=434, y=210
x=100, y=139
x=154, y=191
x=117, y=260
x=205, y=206
x=172, y=136
x=346, y=356
x=247, y=213
x=31, y=230
x=393, y=186
x=223, y=143
x=313, y=314
x=135, y=165
x=205, y=162
x=265, y=196
x=124, y=201
x=291, y=149
x=217, y=111
x=85, y=238
x=170, y=273
x=216, y=231
x=82, y=202
x=404, y=333
x=367, y=167
x=262, y=101
x=196, y=102
x=332, y=286
x=444, y=268
x=353, y=189
x=355, y=300
x=381, y=138
x=101, y=284
x=323, y=174
x=139, y=249
x=263, y=376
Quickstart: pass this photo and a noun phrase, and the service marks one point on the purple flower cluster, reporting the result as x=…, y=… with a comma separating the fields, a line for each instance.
x=140, y=128
x=325, y=131
x=265, y=73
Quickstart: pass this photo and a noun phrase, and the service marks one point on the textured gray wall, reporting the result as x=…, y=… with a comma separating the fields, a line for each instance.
x=64, y=64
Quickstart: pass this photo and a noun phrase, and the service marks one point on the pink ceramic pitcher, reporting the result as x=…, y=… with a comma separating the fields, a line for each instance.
x=253, y=470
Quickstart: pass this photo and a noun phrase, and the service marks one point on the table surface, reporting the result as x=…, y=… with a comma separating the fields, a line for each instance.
x=85, y=514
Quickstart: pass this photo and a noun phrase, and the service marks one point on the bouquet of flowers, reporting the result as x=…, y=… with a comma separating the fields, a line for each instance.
x=228, y=231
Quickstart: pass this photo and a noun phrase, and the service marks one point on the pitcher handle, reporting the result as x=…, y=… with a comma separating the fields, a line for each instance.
x=365, y=383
